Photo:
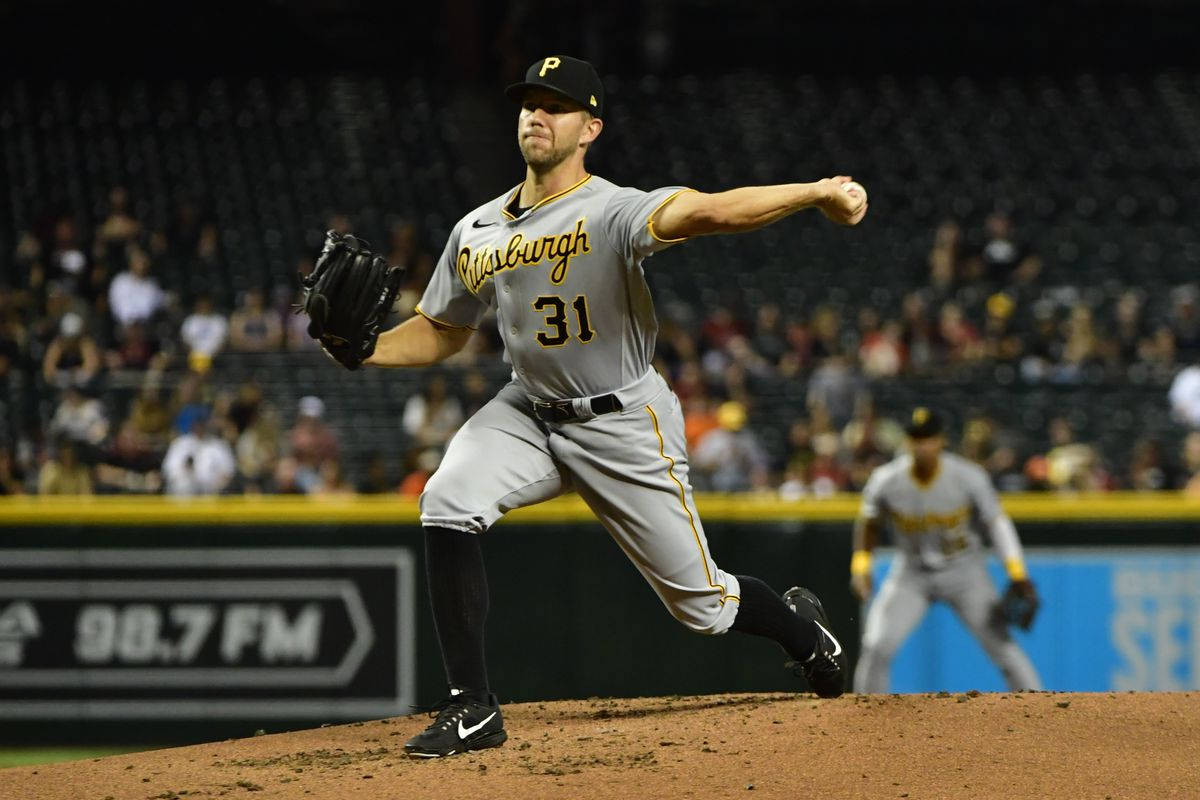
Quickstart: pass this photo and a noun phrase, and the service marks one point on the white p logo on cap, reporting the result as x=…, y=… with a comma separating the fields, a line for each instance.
x=549, y=63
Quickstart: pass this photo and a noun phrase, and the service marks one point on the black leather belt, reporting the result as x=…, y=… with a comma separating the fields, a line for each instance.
x=564, y=411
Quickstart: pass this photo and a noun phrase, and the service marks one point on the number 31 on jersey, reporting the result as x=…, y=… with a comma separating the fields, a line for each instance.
x=557, y=330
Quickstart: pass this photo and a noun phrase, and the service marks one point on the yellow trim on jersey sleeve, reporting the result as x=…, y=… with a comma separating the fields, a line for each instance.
x=691, y=520
x=659, y=207
x=443, y=323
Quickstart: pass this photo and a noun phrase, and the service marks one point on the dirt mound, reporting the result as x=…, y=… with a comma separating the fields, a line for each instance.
x=920, y=746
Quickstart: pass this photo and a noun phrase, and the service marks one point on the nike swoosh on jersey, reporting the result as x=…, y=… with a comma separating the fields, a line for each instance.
x=837, y=646
x=463, y=733
x=476, y=224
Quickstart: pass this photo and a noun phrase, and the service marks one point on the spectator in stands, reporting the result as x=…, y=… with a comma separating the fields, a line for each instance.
x=131, y=464
x=1043, y=346
x=882, y=351
x=1004, y=258
x=730, y=458
x=1158, y=351
x=191, y=400
x=826, y=333
x=246, y=405
x=432, y=416
x=253, y=328
x=946, y=258
x=1069, y=465
x=150, y=419
x=1148, y=471
x=1184, y=396
x=1128, y=328
x=869, y=440
x=67, y=259
x=63, y=472
x=699, y=418
x=769, y=339
x=134, y=295
x=203, y=332
x=425, y=463
x=332, y=480
x=1081, y=348
x=12, y=478
x=960, y=337
x=312, y=442
x=826, y=475
x=920, y=338
x=405, y=250
x=198, y=462
x=475, y=392
x=1190, y=482
x=257, y=451
x=72, y=357
x=137, y=348
x=120, y=226
x=834, y=388
x=79, y=418
x=1185, y=321
x=1001, y=342
x=718, y=327
x=375, y=475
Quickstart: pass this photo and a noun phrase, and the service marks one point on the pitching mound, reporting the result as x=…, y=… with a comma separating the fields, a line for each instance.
x=920, y=746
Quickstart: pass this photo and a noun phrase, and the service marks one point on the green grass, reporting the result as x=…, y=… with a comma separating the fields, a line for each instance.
x=26, y=756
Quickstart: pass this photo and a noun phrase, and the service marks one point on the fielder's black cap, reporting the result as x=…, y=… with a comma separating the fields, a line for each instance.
x=924, y=424
x=571, y=77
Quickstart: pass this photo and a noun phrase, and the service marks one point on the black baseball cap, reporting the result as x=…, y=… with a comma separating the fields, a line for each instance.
x=924, y=424
x=573, y=78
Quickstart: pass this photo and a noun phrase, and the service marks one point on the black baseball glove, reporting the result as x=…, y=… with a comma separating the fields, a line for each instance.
x=1018, y=605
x=347, y=297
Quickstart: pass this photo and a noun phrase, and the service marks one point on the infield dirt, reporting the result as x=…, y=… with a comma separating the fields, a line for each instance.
x=1010, y=746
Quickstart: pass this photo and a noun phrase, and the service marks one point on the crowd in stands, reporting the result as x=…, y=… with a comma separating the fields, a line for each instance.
x=82, y=308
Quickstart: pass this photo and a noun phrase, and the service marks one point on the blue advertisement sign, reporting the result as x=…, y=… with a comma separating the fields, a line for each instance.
x=1111, y=620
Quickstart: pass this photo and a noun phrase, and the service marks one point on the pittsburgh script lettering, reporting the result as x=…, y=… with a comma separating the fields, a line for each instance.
x=474, y=268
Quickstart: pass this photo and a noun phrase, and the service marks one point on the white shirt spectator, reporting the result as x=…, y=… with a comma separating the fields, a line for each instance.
x=79, y=418
x=197, y=465
x=134, y=298
x=204, y=333
x=1185, y=395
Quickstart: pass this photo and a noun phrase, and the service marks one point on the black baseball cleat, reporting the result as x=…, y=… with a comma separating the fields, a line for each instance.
x=459, y=725
x=825, y=669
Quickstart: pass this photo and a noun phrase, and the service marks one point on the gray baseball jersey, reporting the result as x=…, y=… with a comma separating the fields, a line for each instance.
x=936, y=528
x=566, y=281
x=936, y=521
x=577, y=321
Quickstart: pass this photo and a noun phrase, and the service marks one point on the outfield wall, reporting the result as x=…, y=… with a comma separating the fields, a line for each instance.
x=192, y=620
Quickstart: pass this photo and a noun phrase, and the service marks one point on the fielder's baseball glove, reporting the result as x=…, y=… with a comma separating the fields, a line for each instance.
x=347, y=297
x=1018, y=605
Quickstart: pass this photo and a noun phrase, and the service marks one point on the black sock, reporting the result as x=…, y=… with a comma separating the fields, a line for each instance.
x=763, y=613
x=458, y=592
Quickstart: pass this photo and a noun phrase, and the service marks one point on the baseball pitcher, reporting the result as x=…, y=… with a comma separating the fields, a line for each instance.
x=560, y=260
x=935, y=503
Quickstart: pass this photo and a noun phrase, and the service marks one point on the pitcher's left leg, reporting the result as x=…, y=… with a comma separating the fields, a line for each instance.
x=631, y=468
x=973, y=595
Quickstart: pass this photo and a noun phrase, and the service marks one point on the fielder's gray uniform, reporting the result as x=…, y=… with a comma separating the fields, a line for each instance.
x=940, y=556
x=565, y=278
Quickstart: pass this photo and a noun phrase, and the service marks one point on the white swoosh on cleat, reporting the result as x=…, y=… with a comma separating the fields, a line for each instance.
x=465, y=732
x=837, y=650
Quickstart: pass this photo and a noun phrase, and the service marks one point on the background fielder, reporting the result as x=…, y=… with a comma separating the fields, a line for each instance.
x=559, y=258
x=934, y=504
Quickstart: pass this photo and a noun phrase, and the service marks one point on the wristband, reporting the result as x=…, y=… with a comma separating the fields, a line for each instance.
x=860, y=562
x=1016, y=569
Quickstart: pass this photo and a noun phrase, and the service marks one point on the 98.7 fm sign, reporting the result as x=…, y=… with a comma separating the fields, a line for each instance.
x=206, y=633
